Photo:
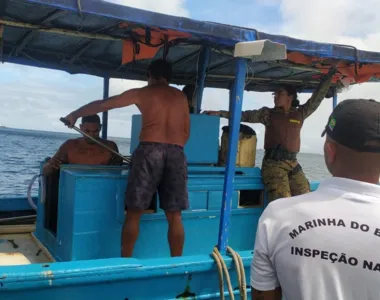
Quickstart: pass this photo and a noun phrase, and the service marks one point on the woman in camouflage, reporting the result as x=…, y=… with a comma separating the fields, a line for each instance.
x=281, y=173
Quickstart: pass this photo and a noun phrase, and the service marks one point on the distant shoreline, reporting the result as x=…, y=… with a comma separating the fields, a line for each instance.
x=37, y=130
x=54, y=132
x=75, y=134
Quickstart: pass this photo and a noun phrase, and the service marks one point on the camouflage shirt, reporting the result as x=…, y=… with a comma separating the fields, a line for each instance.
x=262, y=115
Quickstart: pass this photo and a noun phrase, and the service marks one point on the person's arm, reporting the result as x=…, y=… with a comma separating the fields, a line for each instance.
x=115, y=160
x=276, y=294
x=261, y=115
x=59, y=158
x=264, y=281
x=125, y=99
x=319, y=94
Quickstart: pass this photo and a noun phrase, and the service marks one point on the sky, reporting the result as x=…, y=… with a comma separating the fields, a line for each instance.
x=34, y=98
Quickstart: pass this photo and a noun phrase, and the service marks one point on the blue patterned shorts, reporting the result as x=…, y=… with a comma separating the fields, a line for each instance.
x=157, y=167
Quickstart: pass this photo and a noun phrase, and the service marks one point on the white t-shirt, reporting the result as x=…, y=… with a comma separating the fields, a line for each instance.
x=323, y=245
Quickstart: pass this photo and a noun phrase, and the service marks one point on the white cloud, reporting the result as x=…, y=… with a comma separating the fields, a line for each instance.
x=36, y=98
x=331, y=21
x=349, y=22
x=170, y=7
x=120, y=119
x=47, y=95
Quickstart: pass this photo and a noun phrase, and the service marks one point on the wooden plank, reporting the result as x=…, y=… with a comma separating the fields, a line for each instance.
x=7, y=229
x=21, y=249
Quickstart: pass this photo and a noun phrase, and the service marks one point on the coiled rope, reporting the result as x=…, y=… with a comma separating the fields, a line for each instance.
x=222, y=268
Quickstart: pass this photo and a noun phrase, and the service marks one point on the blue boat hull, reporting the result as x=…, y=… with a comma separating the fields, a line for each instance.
x=193, y=277
x=89, y=268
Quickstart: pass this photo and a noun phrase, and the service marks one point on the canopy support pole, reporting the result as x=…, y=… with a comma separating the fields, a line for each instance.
x=106, y=90
x=236, y=100
x=335, y=99
x=204, y=59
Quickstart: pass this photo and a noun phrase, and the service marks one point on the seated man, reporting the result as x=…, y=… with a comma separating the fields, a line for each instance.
x=83, y=150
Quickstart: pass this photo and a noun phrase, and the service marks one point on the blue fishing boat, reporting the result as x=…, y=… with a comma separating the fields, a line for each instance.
x=72, y=250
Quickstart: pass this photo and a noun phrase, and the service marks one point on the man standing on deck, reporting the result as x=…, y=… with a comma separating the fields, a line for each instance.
x=322, y=245
x=159, y=162
x=83, y=150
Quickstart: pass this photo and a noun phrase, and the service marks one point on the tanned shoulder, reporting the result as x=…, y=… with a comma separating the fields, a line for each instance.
x=71, y=143
x=110, y=143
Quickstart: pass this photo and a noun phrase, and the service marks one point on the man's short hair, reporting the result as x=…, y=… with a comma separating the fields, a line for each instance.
x=160, y=68
x=91, y=119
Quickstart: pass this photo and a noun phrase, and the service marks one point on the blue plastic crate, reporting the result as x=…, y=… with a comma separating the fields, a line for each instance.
x=203, y=144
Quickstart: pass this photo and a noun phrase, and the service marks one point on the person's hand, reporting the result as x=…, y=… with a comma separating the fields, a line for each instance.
x=71, y=120
x=212, y=112
x=56, y=163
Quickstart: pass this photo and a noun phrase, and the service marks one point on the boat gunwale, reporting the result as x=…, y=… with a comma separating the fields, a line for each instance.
x=79, y=272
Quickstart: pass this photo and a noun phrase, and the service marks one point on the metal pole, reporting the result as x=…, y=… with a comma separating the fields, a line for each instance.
x=335, y=99
x=74, y=33
x=204, y=58
x=234, y=123
x=106, y=90
x=64, y=121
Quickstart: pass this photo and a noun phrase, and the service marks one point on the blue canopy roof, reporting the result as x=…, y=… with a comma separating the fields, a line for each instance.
x=42, y=33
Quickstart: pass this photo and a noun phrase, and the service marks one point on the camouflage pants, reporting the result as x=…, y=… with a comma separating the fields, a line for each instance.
x=283, y=179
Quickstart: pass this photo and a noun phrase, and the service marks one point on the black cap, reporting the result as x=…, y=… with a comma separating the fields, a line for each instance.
x=355, y=124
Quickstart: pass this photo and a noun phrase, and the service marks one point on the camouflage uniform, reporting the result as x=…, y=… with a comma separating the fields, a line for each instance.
x=285, y=178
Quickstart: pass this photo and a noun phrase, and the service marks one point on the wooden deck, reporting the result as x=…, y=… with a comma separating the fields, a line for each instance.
x=21, y=248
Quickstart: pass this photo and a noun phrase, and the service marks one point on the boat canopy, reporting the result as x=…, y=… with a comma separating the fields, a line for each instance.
x=112, y=41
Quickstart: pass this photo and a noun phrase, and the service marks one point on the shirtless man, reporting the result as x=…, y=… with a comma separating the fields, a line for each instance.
x=159, y=162
x=83, y=150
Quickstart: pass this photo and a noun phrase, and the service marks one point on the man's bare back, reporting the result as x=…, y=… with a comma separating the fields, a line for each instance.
x=165, y=115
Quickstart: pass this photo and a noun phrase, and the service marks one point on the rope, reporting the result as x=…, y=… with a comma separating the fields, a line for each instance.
x=221, y=266
x=29, y=191
x=240, y=272
x=79, y=4
x=128, y=159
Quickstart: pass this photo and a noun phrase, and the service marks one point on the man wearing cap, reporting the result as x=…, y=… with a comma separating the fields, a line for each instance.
x=321, y=245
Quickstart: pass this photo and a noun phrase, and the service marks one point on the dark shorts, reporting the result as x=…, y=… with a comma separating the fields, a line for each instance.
x=157, y=167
